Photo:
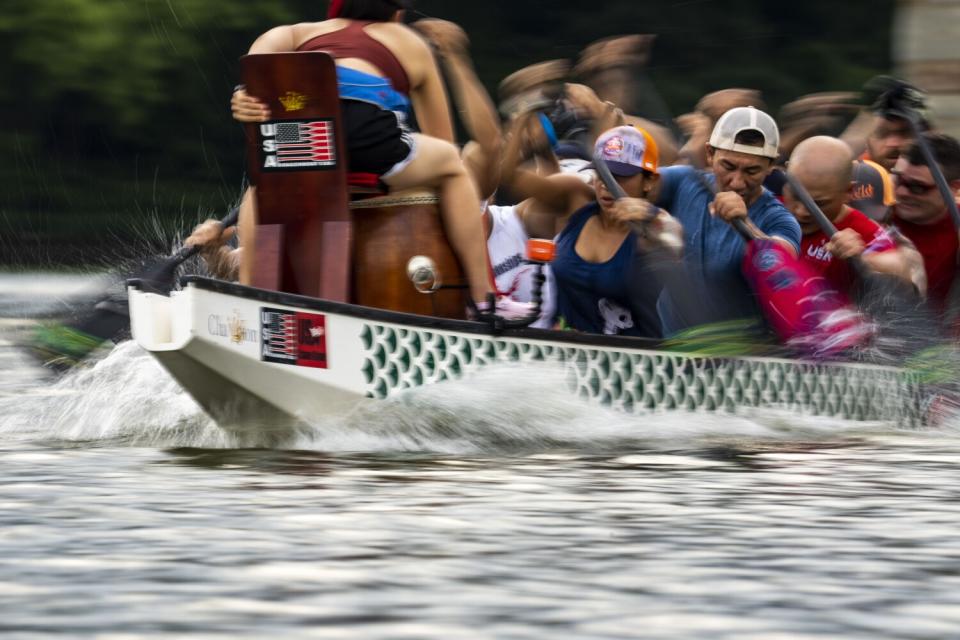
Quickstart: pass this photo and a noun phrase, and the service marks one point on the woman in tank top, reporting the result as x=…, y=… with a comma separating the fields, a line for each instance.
x=371, y=45
x=606, y=278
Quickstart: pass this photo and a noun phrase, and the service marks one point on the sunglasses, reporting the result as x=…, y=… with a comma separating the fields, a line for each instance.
x=914, y=187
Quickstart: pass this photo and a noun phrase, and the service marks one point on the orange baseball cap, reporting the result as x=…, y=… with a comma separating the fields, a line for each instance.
x=873, y=191
x=628, y=150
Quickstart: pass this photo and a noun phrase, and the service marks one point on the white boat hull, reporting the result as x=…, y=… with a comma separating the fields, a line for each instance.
x=255, y=359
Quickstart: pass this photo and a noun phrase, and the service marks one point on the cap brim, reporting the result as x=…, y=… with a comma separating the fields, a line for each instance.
x=623, y=169
x=875, y=211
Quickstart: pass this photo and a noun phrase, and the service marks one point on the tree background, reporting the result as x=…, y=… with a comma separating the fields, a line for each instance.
x=115, y=114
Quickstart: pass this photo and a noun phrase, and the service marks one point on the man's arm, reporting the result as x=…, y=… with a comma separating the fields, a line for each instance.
x=881, y=256
x=560, y=193
x=476, y=109
x=784, y=229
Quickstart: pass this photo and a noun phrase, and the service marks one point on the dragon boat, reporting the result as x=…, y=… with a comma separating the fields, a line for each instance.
x=358, y=298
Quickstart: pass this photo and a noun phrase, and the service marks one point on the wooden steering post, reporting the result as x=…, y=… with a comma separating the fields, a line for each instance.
x=297, y=161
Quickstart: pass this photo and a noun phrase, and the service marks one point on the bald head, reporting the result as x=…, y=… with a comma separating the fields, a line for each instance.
x=824, y=166
x=821, y=163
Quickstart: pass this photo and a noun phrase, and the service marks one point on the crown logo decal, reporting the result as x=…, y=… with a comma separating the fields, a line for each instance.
x=238, y=328
x=293, y=101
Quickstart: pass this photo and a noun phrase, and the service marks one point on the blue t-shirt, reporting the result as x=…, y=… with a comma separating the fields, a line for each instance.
x=713, y=250
x=602, y=297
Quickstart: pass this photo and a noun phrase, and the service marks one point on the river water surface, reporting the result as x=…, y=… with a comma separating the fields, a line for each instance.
x=491, y=508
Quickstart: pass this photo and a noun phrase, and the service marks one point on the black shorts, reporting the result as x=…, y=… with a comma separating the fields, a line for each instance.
x=375, y=140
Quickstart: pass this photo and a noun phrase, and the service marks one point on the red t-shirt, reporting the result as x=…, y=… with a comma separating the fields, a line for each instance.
x=938, y=245
x=838, y=273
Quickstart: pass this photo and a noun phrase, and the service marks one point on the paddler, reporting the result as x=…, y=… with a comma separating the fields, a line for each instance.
x=921, y=213
x=504, y=227
x=824, y=166
x=384, y=69
x=600, y=288
x=881, y=134
x=741, y=152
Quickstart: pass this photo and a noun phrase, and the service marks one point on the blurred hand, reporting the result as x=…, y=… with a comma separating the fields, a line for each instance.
x=667, y=231
x=633, y=210
x=446, y=36
x=846, y=243
x=246, y=108
x=534, y=77
x=728, y=205
x=584, y=100
x=814, y=114
x=209, y=236
x=713, y=105
x=819, y=105
x=654, y=227
x=695, y=125
x=617, y=51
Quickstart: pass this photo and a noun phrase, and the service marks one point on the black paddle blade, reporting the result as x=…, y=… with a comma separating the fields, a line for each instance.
x=61, y=345
x=158, y=275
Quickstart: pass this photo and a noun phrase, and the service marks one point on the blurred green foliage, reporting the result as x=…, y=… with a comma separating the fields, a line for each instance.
x=116, y=111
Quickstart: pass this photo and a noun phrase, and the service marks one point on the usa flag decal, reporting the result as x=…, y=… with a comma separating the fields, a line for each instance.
x=293, y=337
x=298, y=145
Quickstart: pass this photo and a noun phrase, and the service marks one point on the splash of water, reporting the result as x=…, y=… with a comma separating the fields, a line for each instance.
x=127, y=399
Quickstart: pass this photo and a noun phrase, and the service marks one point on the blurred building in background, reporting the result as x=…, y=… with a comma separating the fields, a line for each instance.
x=926, y=50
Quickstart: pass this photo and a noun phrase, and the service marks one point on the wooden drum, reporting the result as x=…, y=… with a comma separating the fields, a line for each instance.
x=390, y=230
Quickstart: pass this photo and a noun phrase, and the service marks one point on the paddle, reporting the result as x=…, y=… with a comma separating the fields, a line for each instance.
x=902, y=101
x=603, y=172
x=801, y=309
x=663, y=262
x=878, y=285
x=62, y=345
x=895, y=305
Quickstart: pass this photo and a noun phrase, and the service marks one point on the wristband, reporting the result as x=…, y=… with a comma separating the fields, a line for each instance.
x=548, y=130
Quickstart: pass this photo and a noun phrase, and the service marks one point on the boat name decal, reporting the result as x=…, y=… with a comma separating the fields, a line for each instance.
x=233, y=327
x=293, y=337
x=298, y=145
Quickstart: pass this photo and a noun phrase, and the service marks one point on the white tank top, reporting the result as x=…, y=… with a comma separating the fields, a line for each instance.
x=507, y=247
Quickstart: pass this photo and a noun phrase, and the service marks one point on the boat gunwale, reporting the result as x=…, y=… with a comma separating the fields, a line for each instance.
x=432, y=323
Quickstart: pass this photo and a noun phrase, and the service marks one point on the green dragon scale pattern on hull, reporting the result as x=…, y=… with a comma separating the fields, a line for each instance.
x=399, y=358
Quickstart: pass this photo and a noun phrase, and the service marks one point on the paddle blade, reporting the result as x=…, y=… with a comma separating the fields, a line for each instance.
x=799, y=305
x=158, y=275
x=63, y=345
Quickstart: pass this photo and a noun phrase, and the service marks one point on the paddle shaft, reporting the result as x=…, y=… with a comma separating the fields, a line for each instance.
x=608, y=180
x=159, y=277
x=823, y=222
x=188, y=251
x=739, y=224
x=603, y=171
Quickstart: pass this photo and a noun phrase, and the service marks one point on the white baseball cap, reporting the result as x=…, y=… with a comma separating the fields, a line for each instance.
x=740, y=119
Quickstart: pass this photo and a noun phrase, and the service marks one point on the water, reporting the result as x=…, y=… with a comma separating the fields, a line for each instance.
x=493, y=508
